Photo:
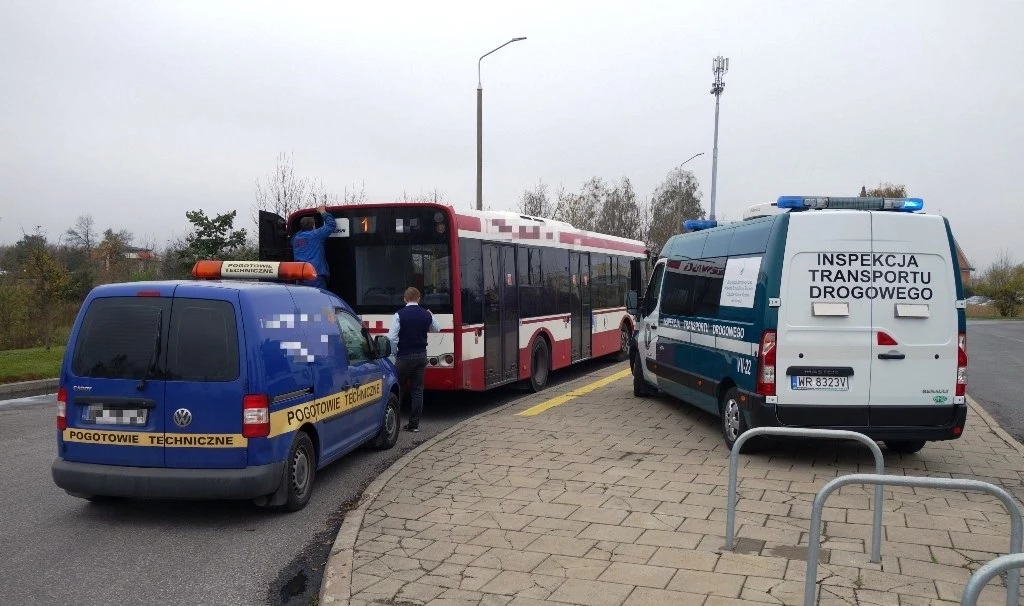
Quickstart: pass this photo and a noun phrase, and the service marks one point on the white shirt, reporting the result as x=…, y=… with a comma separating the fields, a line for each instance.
x=396, y=324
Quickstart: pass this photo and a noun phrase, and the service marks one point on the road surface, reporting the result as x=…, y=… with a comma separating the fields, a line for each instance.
x=995, y=353
x=63, y=550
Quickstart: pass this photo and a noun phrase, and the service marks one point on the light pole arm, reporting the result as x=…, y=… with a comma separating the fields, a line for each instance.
x=479, y=81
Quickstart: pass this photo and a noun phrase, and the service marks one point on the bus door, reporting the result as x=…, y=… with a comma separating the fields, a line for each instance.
x=501, y=314
x=580, y=306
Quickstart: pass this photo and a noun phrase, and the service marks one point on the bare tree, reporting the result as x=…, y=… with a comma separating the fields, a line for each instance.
x=884, y=190
x=535, y=202
x=435, y=196
x=283, y=192
x=677, y=199
x=580, y=209
x=354, y=195
x=620, y=214
x=83, y=235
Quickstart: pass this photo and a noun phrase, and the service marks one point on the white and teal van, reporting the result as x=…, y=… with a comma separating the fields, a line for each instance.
x=843, y=313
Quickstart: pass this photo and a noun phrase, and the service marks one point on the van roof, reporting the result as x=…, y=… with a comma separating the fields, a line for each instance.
x=248, y=288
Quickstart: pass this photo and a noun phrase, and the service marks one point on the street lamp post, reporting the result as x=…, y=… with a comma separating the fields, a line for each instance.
x=480, y=126
x=719, y=67
x=678, y=210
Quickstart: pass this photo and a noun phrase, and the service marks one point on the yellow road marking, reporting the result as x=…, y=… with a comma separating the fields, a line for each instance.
x=562, y=399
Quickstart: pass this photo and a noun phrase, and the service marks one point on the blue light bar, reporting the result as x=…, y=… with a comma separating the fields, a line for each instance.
x=907, y=205
x=699, y=224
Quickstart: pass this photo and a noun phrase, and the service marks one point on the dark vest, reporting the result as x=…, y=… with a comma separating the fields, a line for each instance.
x=412, y=331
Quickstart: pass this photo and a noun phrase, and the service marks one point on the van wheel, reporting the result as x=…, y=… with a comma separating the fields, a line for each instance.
x=540, y=364
x=905, y=446
x=641, y=388
x=624, y=339
x=733, y=423
x=300, y=473
x=388, y=434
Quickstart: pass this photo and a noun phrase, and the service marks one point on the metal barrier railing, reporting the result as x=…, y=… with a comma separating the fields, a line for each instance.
x=814, y=540
x=983, y=575
x=800, y=432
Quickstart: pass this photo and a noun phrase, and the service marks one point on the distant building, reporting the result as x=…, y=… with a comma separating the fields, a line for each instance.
x=966, y=269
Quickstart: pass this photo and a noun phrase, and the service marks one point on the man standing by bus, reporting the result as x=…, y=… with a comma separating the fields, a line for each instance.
x=408, y=334
x=308, y=246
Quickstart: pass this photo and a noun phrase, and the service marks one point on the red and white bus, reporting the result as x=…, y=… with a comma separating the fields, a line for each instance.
x=516, y=296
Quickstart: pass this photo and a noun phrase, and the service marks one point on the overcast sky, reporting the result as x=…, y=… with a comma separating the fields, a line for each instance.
x=135, y=112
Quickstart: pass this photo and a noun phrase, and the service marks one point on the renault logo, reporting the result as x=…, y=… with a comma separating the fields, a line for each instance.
x=182, y=417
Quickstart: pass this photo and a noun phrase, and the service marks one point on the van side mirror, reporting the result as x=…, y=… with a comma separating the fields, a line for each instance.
x=383, y=346
x=633, y=302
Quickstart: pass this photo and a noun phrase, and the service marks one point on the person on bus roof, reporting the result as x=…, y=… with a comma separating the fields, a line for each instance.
x=308, y=246
x=408, y=334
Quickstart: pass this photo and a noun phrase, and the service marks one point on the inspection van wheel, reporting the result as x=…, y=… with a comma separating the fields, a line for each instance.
x=641, y=388
x=733, y=423
x=300, y=473
x=905, y=446
x=388, y=435
x=540, y=364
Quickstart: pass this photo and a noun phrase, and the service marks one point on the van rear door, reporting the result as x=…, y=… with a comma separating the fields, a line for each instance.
x=206, y=380
x=115, y=389
x=914, y=357
x=823, y=372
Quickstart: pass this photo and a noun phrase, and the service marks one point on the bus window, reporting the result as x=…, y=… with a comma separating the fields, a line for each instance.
x=472, y=283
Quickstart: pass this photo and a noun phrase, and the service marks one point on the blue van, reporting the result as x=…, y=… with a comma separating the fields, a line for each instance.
x=842, y=313
x=218, y=389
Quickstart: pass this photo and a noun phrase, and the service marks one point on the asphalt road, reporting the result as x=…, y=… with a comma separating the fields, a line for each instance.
x=995, y=353
x=61, y=550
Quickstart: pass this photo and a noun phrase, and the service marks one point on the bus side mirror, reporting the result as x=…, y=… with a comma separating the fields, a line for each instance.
x=633, y=302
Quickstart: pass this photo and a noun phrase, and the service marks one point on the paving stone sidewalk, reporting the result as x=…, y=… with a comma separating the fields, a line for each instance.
x=609, y=499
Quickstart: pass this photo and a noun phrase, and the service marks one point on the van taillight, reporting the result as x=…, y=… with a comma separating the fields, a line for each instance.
x=766, y=364
x=961, y=365
x=255, y=416
x=62, y=408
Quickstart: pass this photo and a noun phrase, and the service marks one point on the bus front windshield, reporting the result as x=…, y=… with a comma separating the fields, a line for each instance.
x=383, y=272
x=388, y=250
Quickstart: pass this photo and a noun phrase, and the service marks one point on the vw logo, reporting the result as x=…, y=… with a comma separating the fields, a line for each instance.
x=182, y=417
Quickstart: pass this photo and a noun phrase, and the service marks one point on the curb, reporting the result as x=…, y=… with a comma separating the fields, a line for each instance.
x=995, y=426
x=336, y=587
x=24, y=389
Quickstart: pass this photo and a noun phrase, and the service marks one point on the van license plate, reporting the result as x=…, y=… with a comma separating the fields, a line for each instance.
x=821, y=383
x=101, y=415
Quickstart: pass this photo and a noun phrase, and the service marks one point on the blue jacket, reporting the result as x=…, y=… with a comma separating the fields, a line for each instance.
x=308, y=246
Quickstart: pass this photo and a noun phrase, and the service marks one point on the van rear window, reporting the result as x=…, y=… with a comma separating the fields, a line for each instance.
x=118, y=337
x=203, y=341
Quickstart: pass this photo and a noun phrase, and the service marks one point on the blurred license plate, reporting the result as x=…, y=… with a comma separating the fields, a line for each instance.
x=105, y=415
x=822, y=383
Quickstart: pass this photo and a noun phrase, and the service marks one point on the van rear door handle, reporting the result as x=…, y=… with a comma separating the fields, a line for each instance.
x=894, y=355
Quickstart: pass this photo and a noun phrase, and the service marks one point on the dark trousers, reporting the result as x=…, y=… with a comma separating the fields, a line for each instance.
x=410, y=376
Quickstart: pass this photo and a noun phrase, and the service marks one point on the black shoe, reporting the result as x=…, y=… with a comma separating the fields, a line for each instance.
x=412, y=428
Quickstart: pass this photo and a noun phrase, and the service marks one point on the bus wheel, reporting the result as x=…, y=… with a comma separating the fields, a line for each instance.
x=624, y=338
x=540, y=364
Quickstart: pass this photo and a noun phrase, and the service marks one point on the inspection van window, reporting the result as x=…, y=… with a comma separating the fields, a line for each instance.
x=653, y=290
x=677, y=300
x=203, y=343
x=357, y=347
x=118, y=337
